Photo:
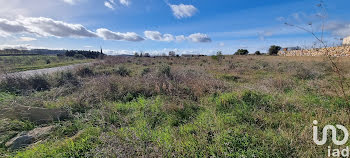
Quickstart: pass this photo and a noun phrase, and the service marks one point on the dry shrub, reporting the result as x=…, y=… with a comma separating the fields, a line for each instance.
x=198, y=82
x=84, y=72
x=303, y=71
x=278, y=84
x=187, y=84
x=123, y=71
x=326, y=87
x=21, y=85
x=114, y=88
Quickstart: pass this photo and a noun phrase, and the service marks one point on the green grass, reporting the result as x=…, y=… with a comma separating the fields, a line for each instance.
x=26, y=68
x=5, y=96
x=24, y=63
x=78, y=146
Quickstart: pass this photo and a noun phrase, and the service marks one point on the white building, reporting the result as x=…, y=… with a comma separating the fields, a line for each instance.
x=346, y=41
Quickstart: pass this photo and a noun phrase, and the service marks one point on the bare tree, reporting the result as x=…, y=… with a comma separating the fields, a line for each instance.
x=341, y=79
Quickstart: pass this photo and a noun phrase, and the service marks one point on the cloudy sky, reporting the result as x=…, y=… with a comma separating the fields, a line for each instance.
x=158, y=26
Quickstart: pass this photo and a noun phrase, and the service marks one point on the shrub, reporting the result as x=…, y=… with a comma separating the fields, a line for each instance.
x=257, y=53
x=242, y=52
x=67, y=78
x=18, y=85
x=306, y=73
x=145, y=71
x=274, y=50
x=164, y=70
x=84, y=72
x=123, y=71
x=39, y=83
x=14, y=85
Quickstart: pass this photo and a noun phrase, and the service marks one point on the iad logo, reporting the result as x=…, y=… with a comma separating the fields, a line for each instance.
x=332, y=152
x=334, y=134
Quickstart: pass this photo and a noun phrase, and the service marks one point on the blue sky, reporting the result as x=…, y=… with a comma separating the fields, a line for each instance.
x=158, y=26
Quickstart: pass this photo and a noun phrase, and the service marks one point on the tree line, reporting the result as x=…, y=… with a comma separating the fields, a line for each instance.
x=84, y=54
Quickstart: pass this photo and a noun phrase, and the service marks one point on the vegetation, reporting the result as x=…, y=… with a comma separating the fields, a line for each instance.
x=219, y=56
x=273, y=50
x=257, y=53
x=242, y=52
x=242, y=106
x=83, y=54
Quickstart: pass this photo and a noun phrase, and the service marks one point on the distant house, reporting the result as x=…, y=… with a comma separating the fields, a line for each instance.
x=291, y=48
x=346, y=41
x=284, y=51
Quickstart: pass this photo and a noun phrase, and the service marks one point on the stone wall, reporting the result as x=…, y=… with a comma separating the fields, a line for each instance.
x=346, y=41
x=332, y=51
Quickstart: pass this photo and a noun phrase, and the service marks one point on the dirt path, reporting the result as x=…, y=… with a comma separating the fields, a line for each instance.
x=42, y=71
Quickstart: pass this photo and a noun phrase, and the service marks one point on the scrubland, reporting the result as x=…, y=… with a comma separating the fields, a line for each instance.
x=235, y=106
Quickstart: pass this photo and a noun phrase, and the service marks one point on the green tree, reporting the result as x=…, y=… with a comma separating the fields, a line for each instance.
x=257, y=53
x=242, y=52
x=274, y=50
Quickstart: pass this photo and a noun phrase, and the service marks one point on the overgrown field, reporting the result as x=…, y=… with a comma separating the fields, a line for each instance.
x=23, y=63
x=239, y=106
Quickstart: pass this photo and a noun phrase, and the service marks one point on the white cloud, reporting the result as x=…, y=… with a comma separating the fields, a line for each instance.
x=109, y=5
x=125, y=2
x=27, y=39
x=22, y=47
x=11, y=26
x=157, y=36
x=153, y=35
x=339, y=28
x=49, y=27
x=46, y=27
x=199, y=38
x=180, y=38
x=71, y=2
x=110, y=35
x=183, y=11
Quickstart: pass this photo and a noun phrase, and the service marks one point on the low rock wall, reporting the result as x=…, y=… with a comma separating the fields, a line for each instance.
x=332, y=51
